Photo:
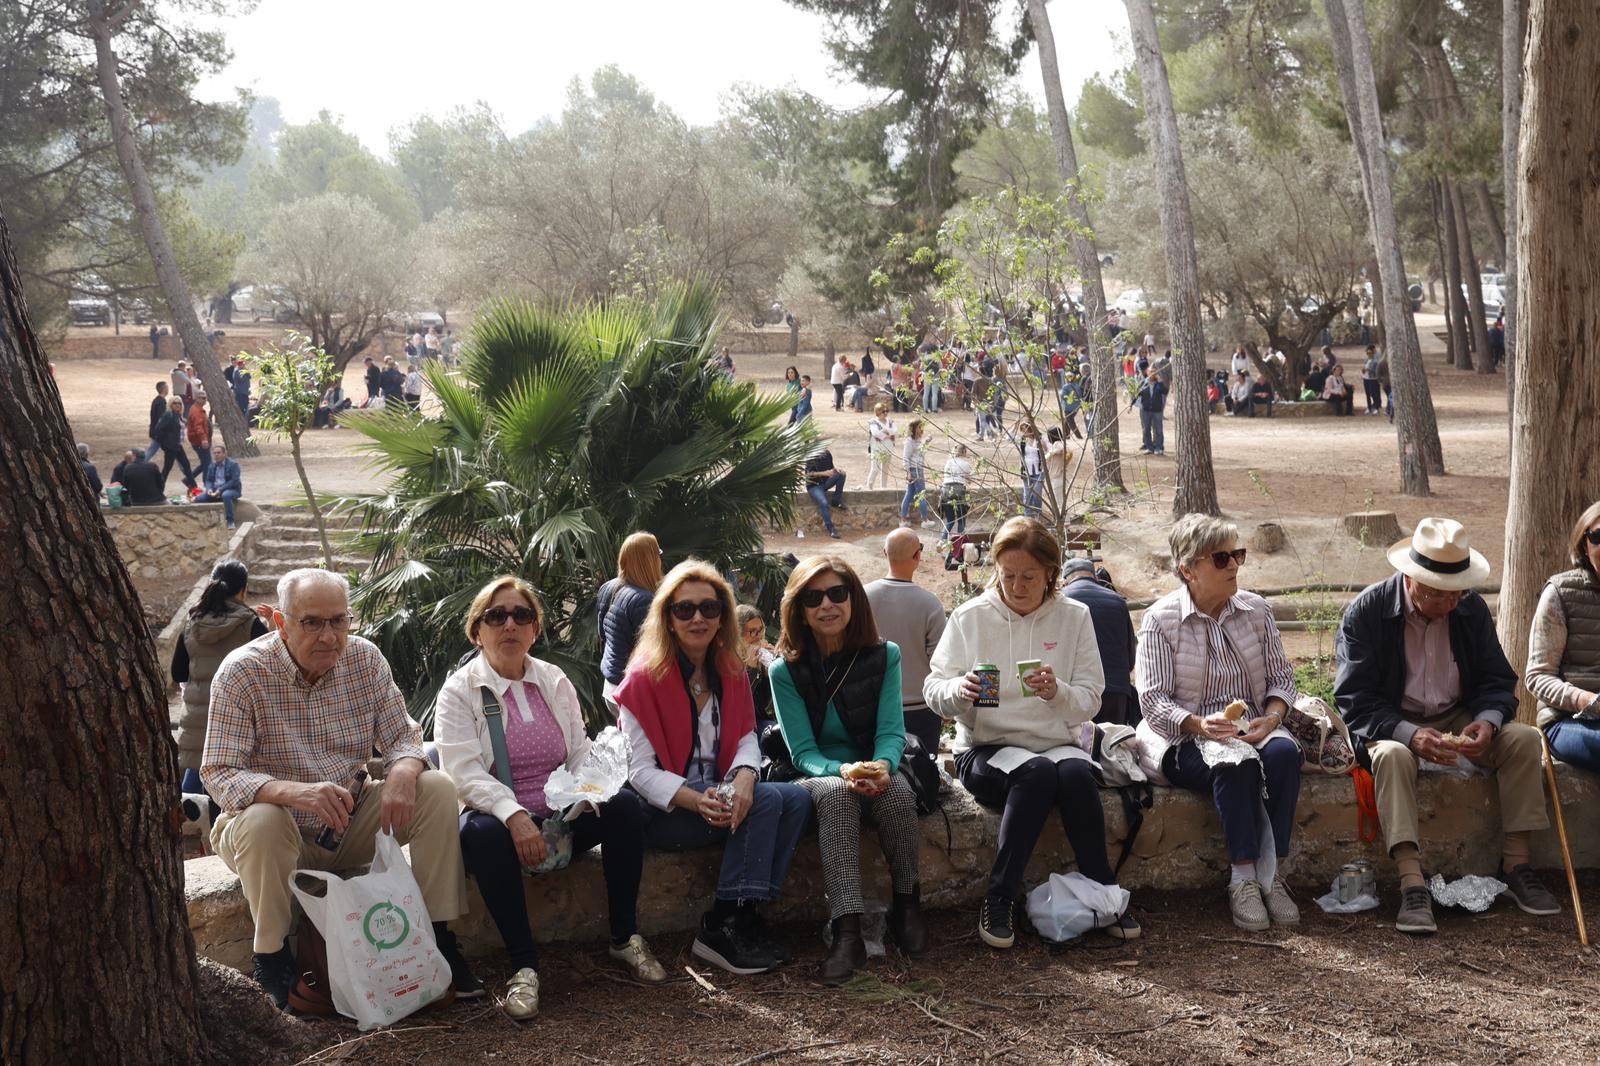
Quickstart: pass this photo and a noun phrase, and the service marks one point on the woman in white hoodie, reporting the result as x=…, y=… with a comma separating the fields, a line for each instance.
x=501, y=825
x=1028, y=755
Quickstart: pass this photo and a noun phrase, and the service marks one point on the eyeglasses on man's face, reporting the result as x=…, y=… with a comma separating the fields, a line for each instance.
x=339, y=623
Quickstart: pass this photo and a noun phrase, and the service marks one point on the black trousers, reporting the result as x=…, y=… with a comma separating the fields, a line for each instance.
x=178, y=456
x=1026, y=797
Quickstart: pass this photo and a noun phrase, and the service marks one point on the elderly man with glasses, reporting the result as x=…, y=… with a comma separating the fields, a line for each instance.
x=1421, y=677
x=295, y=715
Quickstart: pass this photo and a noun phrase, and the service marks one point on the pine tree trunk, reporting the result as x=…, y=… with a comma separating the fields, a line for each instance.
x=196, y=345
x=1440, y=249
x=1196, y=489
x=1497, y=231
x=1456, y=318
x=1417, y=436
x=97, y=963
x=1555, y=469
x=1106, y=402
x=1510, y=123
x=1478, y=325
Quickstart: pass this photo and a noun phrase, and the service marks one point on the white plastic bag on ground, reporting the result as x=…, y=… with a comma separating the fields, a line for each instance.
x=1332, y=904
x=1069, y=905
x=599, y=777
x=383, y=963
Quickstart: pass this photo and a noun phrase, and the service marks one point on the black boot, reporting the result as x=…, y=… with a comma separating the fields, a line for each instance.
x=849, y=951
x=755, y=917
x=906, y=924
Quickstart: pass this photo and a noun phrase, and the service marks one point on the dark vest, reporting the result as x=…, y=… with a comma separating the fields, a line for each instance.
x=859, y=685
x=1579, y=594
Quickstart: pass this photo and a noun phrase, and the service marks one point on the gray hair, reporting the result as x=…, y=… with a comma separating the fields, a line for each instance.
x=83, y=451
x=1195, y=535
x=289, y=583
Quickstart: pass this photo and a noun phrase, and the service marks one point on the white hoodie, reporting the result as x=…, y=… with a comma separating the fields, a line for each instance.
x=1060, y=633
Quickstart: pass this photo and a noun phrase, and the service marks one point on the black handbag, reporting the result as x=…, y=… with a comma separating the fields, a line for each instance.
x=917, y=766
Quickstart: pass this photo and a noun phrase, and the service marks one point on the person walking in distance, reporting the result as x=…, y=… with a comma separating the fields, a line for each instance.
x=1151, y=400
x=913, y=619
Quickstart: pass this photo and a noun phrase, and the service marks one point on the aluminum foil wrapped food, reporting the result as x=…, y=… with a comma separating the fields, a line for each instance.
x=1473, y=893
x=1224, y=752
x=600, y=776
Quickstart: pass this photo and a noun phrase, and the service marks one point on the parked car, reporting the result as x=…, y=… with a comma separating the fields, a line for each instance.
x=89, y=311
x=423, y=320
x=1133, y=301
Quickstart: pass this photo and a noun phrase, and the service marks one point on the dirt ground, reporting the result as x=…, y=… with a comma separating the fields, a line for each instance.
x=1493, y=988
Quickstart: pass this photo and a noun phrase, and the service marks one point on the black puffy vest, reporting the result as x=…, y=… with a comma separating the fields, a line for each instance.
x=859, y=685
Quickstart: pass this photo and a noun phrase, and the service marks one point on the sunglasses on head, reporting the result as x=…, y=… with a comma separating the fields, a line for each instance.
x=684, y=610
x=1220, y=559
x=1593, y=537
x=834, y=594
x=497, y=616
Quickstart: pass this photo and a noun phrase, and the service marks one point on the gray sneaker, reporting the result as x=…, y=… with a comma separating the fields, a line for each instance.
x=1280, y=904
x=1249, y=911
x=1524, y=886
x=1416, y=912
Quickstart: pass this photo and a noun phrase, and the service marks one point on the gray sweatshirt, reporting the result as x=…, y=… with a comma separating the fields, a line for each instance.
x=913, y=618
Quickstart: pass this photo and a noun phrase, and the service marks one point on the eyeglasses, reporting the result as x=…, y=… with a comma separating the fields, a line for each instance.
x=497, y=616
x=1593, y=537
x=1220, y=559
x=684, y=610
x=338, y=623
x=834, y=594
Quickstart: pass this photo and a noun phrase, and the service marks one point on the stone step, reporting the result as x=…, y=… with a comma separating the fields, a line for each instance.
x=311, y=547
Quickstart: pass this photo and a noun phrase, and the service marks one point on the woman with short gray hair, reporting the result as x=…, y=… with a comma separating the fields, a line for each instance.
x=1214, y=685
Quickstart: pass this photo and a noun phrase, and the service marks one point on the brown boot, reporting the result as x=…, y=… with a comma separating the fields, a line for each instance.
x=906, y=924
x=849, y=951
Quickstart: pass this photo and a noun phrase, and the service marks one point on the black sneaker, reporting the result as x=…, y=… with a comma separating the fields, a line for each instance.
x=462, y=979
x=725, y=943
x=761, y=934
x=1125, y=927
x=275, y=973
x=1528, y=892
x=994, y=922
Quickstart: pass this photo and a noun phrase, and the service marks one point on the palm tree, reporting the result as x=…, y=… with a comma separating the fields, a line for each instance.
x=568, y=429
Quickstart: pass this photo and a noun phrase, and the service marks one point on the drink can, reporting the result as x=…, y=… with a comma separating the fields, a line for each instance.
x=1369, y=879
x=988, y=685
x=1349, y=883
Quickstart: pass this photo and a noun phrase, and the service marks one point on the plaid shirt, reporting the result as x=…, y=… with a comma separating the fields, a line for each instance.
x=267, y=724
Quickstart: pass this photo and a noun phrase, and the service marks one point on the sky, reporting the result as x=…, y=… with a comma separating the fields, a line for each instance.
x=376, y=64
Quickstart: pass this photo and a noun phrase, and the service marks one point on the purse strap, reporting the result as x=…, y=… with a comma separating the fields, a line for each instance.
x=497, y=735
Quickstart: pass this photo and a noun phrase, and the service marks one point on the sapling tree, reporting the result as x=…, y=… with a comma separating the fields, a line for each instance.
x=292, y=378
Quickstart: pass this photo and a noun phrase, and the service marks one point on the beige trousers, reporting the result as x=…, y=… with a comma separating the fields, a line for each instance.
x=1514, y=755
x=264, y=846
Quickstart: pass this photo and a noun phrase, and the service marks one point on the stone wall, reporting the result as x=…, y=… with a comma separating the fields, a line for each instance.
x=166, y=549
x=1179, y=848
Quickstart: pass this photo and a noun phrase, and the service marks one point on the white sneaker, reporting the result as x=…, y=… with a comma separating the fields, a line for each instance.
x=930, y=524
x=522, y=995
x=1249, y=911
x=1280, y=904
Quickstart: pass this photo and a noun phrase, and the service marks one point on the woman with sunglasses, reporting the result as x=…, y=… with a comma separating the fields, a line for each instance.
x=1202, y=648
x=501, y=827
x=688, y=715
x=1564, y=650
x=1049, y=691
x=836, y=691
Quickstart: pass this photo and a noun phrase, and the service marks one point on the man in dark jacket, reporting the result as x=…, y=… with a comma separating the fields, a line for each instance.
x=89, y=471
x=374, y=378
x=1152, y=403
x=144, y=483
x=821, y=477
x=1113, y=631
x=158, y=407
x=1421, y=677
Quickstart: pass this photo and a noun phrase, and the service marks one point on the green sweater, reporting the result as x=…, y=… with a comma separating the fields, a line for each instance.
x=821, y=756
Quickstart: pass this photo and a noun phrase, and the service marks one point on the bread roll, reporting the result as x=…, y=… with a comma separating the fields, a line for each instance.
x=1236, y=710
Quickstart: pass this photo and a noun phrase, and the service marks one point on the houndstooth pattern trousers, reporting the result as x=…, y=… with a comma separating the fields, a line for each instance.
x=839, y=816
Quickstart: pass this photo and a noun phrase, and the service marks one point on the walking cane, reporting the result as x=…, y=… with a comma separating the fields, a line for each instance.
x=1561, y=832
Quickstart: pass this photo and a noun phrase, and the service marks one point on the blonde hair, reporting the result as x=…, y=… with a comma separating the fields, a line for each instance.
x=486, y=595
x=657, y=647
x=1195, y=535
x=639, y=561
x=1034, y=537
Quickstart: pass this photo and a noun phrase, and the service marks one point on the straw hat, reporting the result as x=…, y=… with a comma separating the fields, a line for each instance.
x=1439, y=556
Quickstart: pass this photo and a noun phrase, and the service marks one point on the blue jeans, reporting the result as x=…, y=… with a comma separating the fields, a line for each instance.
x=1032, y=494
x=225, y=498
x=1575, y=741
x=915, y=491
x=931, y=393
x=818, y=491
x=756, y=856
x=1155, y=439
x=1236, y=789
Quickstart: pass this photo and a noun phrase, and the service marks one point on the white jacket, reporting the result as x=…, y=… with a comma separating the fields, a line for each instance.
x=1059, y=633
x=462, y=732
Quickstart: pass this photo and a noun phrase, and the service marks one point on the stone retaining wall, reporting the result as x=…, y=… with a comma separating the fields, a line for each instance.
x=167, y=548
x=1179, y=847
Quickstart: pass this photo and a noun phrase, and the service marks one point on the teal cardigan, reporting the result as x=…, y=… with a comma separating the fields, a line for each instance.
x=821, y=756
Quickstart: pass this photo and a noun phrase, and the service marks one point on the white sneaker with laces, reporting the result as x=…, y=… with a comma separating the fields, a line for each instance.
x=1280, y=904
x=1249, y=911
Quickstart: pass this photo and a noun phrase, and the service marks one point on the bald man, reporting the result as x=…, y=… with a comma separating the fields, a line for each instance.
x=914, y=619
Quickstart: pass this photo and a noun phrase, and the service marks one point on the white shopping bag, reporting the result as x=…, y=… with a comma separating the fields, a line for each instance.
x=383, y=963
x=1069, y=905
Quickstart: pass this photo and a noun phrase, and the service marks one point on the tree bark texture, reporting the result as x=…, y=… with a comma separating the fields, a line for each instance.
x=1511, y=38
x=1107, y=405
x=1413, y=401
x=1457, y=312
x=1196, y=489
x=180, y=305
x=1478, y=324
x=1555, y=469
x=1495, y=219
x=97, y=963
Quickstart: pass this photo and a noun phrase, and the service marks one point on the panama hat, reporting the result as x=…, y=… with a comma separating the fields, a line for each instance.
x=1439, y=556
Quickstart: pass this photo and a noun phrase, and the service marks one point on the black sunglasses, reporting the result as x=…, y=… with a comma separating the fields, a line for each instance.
x=1593, y=536
x=684, y=610
x=834, y=593
x=1220, y=559
x=523, y=616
